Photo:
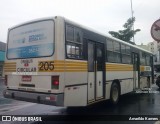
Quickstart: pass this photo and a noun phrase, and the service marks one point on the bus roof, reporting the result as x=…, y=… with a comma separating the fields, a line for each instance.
x=84, y=27
x=31, y=21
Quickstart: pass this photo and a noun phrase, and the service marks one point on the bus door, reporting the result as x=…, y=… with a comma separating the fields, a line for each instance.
x=95, y=71
x=136, y=71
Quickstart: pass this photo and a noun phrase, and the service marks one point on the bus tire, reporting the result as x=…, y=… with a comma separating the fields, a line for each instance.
x=115, y=93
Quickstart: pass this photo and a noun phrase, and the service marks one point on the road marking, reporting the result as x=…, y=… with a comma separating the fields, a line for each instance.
x=50, y=113
x=17, y=107
x=157, y=122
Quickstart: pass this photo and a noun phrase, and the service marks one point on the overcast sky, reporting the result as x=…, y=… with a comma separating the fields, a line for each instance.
x=100, y=15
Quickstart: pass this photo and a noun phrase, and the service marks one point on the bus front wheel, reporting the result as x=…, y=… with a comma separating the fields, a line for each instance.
x=115, y=93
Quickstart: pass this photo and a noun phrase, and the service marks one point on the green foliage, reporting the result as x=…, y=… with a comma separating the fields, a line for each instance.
x=128, y=31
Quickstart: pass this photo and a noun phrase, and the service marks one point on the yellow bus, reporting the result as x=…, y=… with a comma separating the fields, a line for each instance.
x=58, y=62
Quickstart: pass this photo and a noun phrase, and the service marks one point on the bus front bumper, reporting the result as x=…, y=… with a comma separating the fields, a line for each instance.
x=42, y=98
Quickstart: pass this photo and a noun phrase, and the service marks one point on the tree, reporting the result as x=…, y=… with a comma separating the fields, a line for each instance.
x=128, y=31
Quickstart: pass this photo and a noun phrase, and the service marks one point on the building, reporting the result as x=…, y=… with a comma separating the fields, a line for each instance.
x=153, y=47
x=2, y=56
x=143, y=46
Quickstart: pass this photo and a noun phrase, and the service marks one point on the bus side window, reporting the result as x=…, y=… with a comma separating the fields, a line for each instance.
x=148, y=61
x=109, y=52
x=117, y=53
x=78, y=35
x=69, y=33
x=70, y=51
x=74, y=42
x=126, y=54
x=142, y=58
x=113, y=51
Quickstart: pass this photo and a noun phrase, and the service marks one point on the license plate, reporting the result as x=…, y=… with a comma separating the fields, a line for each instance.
x=26, y=78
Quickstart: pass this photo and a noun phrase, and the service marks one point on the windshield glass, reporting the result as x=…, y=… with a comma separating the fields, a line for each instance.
x=31, y=40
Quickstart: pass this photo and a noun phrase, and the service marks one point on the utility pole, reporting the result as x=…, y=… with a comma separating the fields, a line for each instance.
x=132, y=20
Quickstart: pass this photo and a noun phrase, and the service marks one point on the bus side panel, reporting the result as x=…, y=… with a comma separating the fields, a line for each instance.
x=108, y=89
x=75, y=88
x=126, y=82
x=126, y=86
x=75, y=78
x=75, y=96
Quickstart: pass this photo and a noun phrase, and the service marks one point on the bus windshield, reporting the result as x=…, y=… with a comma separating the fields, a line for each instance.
x=31, y=40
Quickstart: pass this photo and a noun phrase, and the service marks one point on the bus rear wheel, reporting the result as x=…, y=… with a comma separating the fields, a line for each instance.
x=115, y=93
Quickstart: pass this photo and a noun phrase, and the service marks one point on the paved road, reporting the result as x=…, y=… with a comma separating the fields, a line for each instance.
x=8, y=105
x=129, y=104
x=3, y=101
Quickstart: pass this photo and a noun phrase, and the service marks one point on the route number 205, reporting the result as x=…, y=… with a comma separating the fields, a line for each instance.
x=46, y=66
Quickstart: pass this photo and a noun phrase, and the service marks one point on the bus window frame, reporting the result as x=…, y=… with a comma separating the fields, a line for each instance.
x=75, y=28
x=28, y=24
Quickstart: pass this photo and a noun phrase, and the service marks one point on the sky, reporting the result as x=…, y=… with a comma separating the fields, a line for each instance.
x=100, y=15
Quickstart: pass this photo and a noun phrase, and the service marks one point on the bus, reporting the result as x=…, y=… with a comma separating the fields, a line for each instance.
x=58, y=62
